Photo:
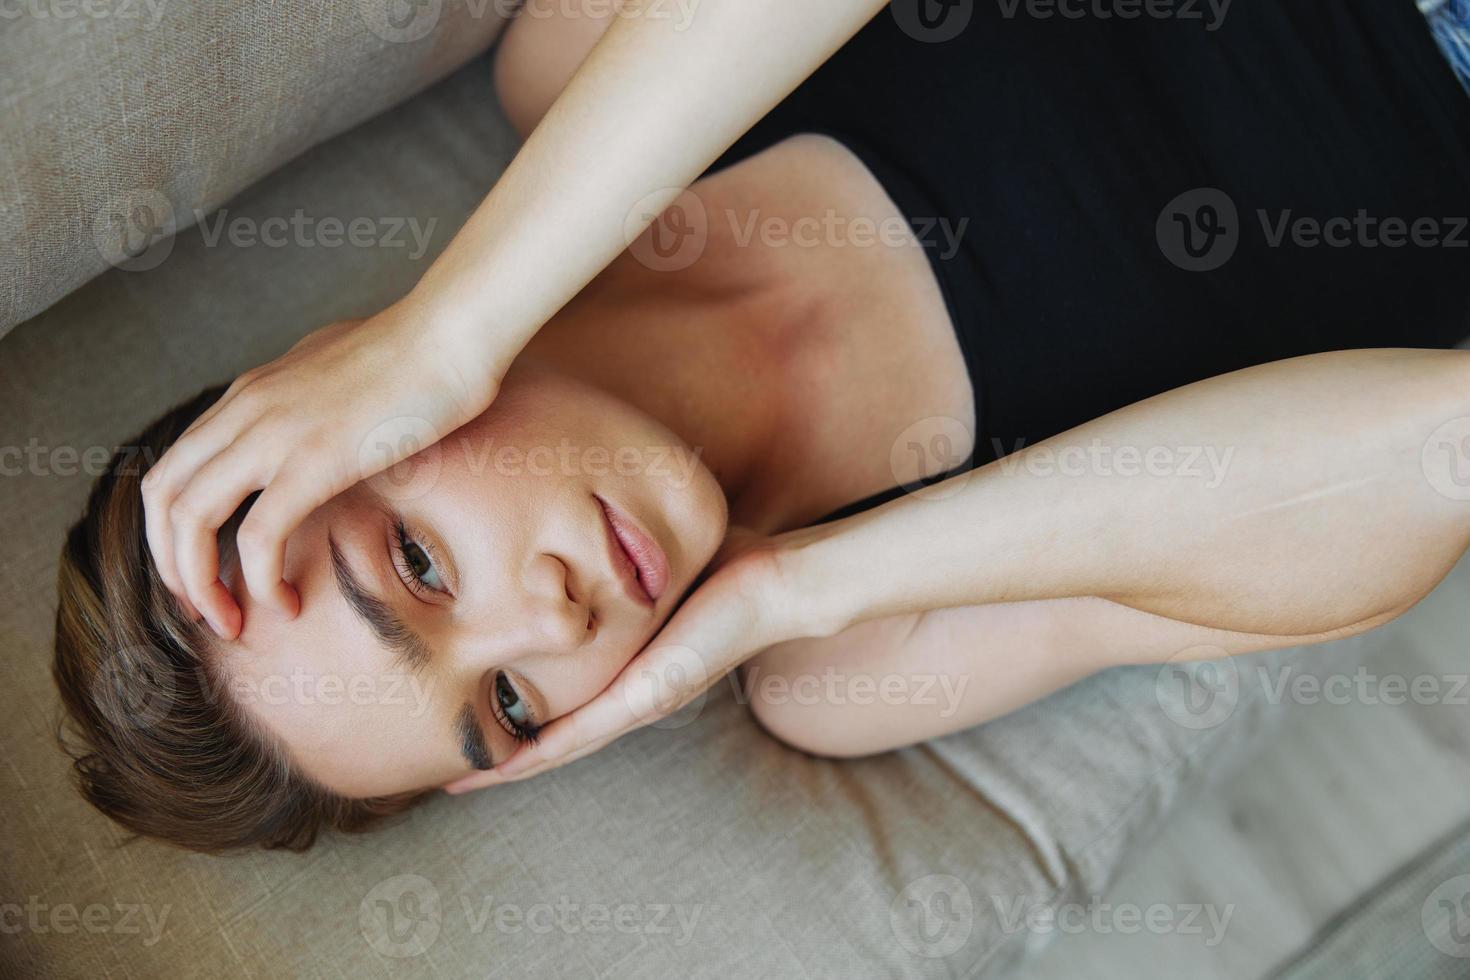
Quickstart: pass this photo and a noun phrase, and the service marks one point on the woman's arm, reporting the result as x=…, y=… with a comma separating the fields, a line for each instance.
x=1290, y=503
x=1287, y=500
x=657, y=100
x=898, y=680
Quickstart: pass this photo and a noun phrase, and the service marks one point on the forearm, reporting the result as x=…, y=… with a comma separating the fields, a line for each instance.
x=652, y=106
x=1313, y=514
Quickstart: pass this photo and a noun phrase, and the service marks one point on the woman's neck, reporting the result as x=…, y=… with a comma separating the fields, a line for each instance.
x=726, y=365
x=794, y=370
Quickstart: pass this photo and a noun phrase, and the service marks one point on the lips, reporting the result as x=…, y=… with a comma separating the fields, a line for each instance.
x=636, y=556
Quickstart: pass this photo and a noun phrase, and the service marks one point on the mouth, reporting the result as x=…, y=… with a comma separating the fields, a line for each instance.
x=636, y=557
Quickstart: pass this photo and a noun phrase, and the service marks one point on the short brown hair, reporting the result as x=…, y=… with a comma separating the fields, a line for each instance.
x=156, y=744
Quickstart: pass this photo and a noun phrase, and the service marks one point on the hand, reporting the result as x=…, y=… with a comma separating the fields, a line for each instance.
x=745, y=604
x=347, y=401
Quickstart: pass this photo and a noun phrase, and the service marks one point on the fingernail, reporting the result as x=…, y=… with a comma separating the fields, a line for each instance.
x=289, y=600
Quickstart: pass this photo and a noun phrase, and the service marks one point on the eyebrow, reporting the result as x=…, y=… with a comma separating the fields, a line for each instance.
x=471, y=739
x=409, y=649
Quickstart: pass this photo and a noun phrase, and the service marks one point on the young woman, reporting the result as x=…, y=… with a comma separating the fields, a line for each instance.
x=1145, y=310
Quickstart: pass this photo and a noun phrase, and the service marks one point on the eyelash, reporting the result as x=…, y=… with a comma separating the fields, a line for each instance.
x=527, y=734
x=405, y=567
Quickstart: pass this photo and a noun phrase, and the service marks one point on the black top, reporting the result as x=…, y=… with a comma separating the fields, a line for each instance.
x=1065, y=144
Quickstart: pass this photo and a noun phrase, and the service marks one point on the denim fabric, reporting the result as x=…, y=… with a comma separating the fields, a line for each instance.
x=1449, y=21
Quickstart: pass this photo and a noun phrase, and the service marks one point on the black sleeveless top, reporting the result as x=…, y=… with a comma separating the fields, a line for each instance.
x=1138, y=196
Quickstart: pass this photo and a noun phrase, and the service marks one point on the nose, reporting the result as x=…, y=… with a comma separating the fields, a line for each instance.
x=559, y=615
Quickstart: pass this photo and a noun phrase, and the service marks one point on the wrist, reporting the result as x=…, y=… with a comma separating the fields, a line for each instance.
x=813, y=596
x=463, y=349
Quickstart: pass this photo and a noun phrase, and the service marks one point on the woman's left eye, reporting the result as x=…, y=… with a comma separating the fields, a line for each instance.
x=510, y=702
x=512, y=711
x=416, y=563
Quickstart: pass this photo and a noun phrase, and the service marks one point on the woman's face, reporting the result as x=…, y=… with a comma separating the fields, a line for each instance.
x=478, y=590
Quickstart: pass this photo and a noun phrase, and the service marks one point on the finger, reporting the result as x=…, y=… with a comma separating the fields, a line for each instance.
x=206, y=416
x=204, y=506
x=596, y=723
x=474, y=781
x=261, y=540
x=162, y=484
x=495, y=777
x=550, y=764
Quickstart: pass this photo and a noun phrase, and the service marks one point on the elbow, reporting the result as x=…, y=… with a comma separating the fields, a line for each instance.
x=807, y=729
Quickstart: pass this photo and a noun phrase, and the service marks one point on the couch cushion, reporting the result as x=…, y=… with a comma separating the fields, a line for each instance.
x=700, y=850
x=121, y=119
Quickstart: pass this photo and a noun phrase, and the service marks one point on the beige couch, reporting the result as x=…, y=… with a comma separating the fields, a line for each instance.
x=701, y=850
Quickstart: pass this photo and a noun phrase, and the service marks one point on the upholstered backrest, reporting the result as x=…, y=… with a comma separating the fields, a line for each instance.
x=122, y=120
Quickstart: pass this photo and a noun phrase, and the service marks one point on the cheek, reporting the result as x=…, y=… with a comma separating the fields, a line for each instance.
x=568, y=686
